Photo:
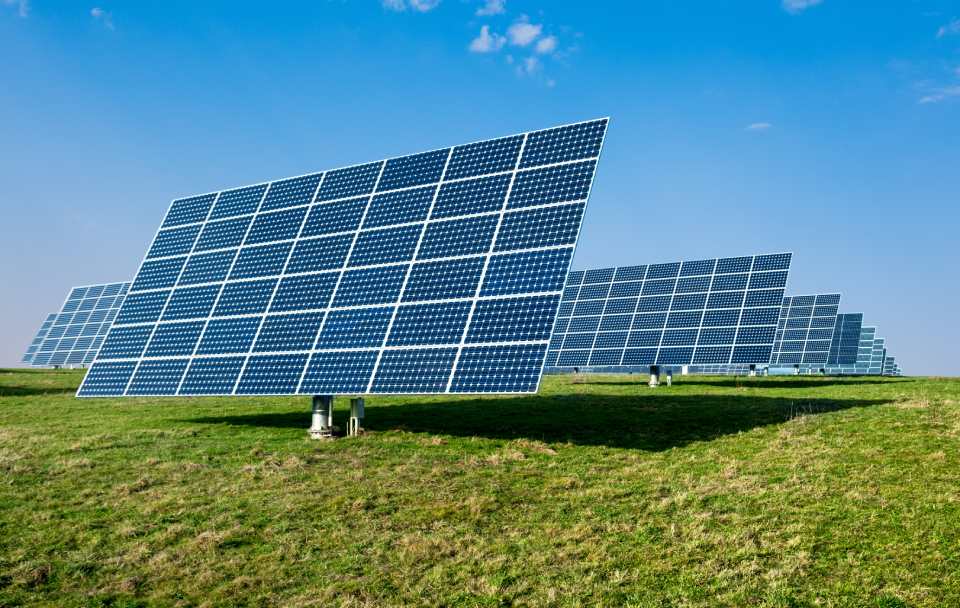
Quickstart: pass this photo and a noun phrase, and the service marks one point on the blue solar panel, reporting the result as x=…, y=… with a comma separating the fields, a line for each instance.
x=73, y=336
x=431, y=273
x=805, y=330
x=716, y=311
x=38, y=338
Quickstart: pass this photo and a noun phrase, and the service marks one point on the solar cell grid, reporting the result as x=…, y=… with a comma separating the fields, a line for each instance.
x=678, y=313
x=435, y=272
x=74, y=335
x=38, y=338
x=805, y=330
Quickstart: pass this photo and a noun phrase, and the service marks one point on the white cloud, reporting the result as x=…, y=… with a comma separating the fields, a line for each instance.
x=941, y=95
x=528, y=67
x=23, y=6
x=949, y=29
x=798, y=6
x=420, y=6
x=546, y=45
x=103, y=17
x=492, y=7
x=487, y=42
x=759, y=126
x=522, y=32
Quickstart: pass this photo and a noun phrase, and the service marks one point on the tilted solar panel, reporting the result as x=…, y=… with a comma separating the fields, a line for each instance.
x=38, y=339
x=864, y=355
x=78, y=330
x=877, y=356
x=805, y=330
x=716, y=311
x=846, y=339
x=439, y=272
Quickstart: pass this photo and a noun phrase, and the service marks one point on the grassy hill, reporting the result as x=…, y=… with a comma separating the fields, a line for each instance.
x=716, y=492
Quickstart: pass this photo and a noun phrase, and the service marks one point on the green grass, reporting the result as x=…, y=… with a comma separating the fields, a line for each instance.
x=782, y=492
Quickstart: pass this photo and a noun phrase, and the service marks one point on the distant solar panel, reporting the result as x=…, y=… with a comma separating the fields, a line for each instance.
x=864, y=355
x=720, y=370
x=38, y=339
x=889, y=366
x=846, y=339
x=81, y=325
x=877, y=356
x=805, y=330
x=715, y=311
x=439, y=272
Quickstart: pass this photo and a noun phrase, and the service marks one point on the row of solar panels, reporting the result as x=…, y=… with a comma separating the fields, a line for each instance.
x=607, y=318
x=439, y=272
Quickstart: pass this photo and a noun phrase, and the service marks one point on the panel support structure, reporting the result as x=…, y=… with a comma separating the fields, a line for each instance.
x=321, y=426
x=356, y=417
x=654, y=376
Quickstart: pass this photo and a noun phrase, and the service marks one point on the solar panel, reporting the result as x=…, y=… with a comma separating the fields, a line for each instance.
x=439, y=272
x=889, y=366
x=805, y=330
x=38, y=339
x=846, y=339
x=864, y=355
x=78, y=330
x=877, y=354
x=720, y=370
x=715, y=311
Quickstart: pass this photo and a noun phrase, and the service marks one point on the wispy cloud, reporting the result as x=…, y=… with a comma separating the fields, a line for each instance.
x=547, y=44
x=103, y=17
x=798, y=6
x=949, y=29
x=534, y=46
x=420, y=6
x=941, y=95
x=529, y=66
x=759, y=126
x=522, y=32
x=492, y=7
x=23, y=6
x=487, y=42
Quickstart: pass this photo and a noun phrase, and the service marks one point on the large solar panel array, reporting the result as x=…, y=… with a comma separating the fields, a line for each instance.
x=715, y=311
x=846, y=339
x=80, y=327
x=805, y=330
x=439, y=272
x=38, y=339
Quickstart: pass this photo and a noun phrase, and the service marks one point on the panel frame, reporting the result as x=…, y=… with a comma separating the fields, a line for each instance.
x=410, y=264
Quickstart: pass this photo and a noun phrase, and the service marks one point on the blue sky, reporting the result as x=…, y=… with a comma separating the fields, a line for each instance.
x=825, y=128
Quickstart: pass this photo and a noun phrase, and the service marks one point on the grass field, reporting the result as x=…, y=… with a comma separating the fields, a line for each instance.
x=715, y=492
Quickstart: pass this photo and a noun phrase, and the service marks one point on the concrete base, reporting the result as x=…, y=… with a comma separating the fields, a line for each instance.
x=654, y=376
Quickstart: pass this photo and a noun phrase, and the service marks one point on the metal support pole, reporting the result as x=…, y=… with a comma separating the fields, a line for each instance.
x=321, y=426
x=356, y=415
x=654, y=376
x=669, y=377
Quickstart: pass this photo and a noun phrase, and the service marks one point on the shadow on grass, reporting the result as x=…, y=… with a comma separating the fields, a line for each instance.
x=25, y=391
x=639, y=422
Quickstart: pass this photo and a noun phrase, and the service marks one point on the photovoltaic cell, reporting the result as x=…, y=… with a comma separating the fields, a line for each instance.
x=73, y=336
x=439, y=272
x=716, y=311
